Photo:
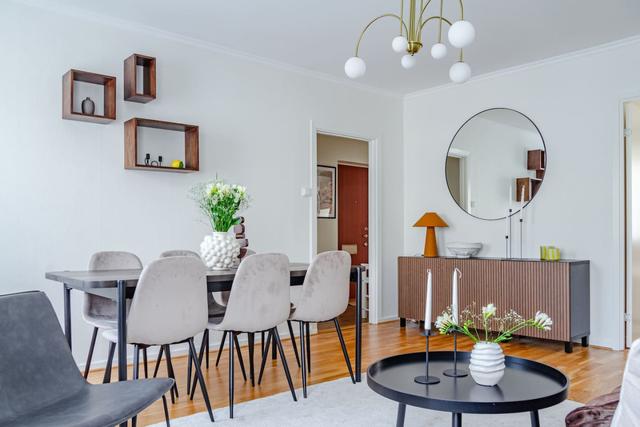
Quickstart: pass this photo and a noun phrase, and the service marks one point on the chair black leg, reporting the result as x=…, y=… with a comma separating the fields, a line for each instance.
x=239, y=351
x=145, y=362
x=189, y=372
x=158, y=360
x=231, y=378
x=293, y=342
x=308, y=338
x=262, y=342
x=136, y=375
x=166, y=410
x=224, y=337
x=199, y=362
x=171, y=374
x=87, y=365
x=276, y=338
x=274, y=355
x=303, y=361
x=344, y=349
x=265, y=355
x=207, y=343
x=203, y=386
x=107, y=369
x=251, y=338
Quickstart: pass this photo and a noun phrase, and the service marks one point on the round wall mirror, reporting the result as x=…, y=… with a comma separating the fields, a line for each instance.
x=496, y=162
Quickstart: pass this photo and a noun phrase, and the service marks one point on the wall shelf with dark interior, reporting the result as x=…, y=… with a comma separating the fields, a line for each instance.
x=109, y=96
x=140, y=67
x=191, y=145
x=537, y=161
x=531, y=187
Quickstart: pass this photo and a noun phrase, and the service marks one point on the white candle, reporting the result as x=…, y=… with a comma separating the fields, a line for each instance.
x=454, y=296
x=427, y=309
x=521, y=201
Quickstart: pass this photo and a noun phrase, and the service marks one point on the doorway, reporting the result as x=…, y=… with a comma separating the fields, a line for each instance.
x=343, y=205
x=632, y=219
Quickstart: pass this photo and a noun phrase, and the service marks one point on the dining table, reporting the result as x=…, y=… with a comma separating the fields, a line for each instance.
x=120, y=285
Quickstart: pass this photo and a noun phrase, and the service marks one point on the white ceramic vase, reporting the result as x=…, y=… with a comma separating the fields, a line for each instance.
x=219, y=250
x=487, y=363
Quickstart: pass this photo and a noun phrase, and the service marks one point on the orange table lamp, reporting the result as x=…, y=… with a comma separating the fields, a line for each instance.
x=431, y=220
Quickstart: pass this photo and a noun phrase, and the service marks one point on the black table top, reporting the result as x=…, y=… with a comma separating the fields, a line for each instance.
x=526, y=385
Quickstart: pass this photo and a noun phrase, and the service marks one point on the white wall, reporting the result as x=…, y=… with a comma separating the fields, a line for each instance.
x=65, y=193
x=331, y=150
x=576, y=102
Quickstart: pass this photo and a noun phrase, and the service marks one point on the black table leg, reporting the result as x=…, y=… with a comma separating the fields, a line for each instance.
x=456, y=419
x=585, y=341
x=535, y=419
x=402, y=409
x=67, y=314
x=122, y=333
x=358, y=323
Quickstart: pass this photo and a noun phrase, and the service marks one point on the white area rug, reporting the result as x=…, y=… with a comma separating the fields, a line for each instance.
x=341, y=403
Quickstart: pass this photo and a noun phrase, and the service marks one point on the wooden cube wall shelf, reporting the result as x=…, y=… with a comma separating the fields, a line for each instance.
x=531, y=187
x=109, y=85
x=191, y=145
x=148, y=65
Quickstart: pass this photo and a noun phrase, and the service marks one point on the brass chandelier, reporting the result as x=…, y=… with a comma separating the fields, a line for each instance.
x=461, y=34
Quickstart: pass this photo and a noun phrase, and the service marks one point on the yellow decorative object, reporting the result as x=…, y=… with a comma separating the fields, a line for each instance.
x=549, y=253
x=178, y=164
x=430, y=220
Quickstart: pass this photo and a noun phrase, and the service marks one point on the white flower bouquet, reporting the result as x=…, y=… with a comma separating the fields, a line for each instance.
x=220, y=202
x=505, y=326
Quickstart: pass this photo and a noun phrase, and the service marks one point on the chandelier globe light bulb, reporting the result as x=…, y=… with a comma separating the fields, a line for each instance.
x=460, y=72
x=408, y=61
x=355, y=67
x=461, y=34
x=438, y=51
x=399, y=44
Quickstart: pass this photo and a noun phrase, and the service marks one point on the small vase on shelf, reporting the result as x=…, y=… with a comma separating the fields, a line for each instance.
x=487, y=363
x=219, y=250
x=88, y=106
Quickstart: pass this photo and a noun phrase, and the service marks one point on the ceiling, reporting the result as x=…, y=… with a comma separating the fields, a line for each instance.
x=321, y=35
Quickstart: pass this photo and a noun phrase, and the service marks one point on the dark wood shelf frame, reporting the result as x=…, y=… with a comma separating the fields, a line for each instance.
x=531, y=187
x=109, y=85
x=148, y=65
x=191, y=144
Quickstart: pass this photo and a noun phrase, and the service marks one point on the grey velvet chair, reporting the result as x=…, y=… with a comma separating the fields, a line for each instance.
x=259, y=300
x=324, y=297
x=100, y=312
x=168, y=307
x=40, y=383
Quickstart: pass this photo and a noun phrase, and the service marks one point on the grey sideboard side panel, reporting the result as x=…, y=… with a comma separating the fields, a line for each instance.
x=580, y=299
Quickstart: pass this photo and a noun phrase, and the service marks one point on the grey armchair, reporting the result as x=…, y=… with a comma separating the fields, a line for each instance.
x=40, y=383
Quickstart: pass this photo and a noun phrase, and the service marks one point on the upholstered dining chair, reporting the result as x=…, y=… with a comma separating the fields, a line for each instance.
x=168, y=308
x=215, y=310
x=40, y=381
x=101, y=312
x=259, y=300
x=324, y=297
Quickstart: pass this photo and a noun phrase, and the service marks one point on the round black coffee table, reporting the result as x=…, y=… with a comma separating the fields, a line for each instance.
x=527, y=386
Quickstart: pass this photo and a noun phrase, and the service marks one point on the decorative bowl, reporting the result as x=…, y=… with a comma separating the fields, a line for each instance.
x=464, y=249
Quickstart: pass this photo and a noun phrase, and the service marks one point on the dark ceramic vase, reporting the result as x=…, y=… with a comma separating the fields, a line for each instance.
x=88, y=106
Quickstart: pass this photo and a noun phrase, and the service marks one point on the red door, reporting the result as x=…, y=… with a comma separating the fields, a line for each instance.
x=353, y=213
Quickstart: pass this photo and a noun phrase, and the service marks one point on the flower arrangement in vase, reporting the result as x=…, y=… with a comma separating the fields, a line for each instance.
x=487, y=359
x=220, y=203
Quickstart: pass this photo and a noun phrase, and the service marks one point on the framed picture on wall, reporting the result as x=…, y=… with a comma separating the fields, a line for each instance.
x=326, y=192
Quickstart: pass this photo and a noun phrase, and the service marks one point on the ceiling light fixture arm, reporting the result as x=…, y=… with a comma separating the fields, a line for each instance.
x=391, y=15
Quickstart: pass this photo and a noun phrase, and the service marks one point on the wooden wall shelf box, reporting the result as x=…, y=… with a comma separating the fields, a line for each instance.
x=558, y=288
x=531, y=187
x=148, y=65
x=109, y=84
x=191, y=145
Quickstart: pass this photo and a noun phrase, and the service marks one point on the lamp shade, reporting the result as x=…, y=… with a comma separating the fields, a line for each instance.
x=430, y=220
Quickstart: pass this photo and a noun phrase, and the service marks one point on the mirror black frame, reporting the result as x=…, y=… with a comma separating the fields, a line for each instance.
x=544, y=145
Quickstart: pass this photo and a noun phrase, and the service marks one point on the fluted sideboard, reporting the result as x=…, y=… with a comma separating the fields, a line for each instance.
x=559, y=288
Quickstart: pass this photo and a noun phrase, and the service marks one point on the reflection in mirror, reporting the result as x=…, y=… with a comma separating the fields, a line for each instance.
x=495, y=162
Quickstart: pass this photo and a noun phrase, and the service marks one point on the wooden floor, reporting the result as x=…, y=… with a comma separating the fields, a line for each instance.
x=592, y=371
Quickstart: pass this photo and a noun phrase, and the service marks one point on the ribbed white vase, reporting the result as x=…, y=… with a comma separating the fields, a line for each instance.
x=487, y=363
x=219, y=250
